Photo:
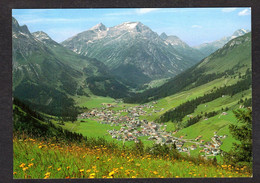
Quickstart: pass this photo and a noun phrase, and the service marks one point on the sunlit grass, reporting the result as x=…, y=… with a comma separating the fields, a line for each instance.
x=38, y=159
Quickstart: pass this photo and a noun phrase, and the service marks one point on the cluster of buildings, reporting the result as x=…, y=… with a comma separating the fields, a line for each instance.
x=211, y=148
x=132, y=128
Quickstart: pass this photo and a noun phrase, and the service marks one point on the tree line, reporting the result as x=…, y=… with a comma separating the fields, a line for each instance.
x=191, y=78
x=34, y=124
x=189, y=107
x=107, y=86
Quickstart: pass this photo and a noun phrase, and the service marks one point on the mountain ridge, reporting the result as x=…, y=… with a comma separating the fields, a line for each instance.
x=42, y=66
x=132, y=43
x=210, y=47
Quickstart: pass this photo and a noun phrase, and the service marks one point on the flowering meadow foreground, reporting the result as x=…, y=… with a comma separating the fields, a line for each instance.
x=35, y=159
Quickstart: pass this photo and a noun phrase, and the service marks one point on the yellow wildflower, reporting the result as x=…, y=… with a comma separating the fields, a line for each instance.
x=89, y=170
x=155, y=172
x=22, y=165
x=81, y=170
x=58, y=169
x=92, y=175
x=111, y=173
x=48, y=174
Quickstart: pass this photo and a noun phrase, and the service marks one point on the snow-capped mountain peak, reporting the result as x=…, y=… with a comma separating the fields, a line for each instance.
x=239, y=32
x=131, y=27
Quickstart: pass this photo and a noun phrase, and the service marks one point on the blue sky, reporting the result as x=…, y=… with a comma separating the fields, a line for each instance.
x=192, y=25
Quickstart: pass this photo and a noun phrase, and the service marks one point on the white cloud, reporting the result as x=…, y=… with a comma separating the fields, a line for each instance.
x=196, y=26
x=227, y=10
x=245, y=12
x=146, y=10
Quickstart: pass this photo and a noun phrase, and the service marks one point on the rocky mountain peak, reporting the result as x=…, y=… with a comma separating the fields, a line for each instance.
x=132, y=26
x=176, y=41
x=239, y=32
x=15, y=22
x=19, y=30
x=40, y=35
x=25, y=29
x=99, y=27
x=163, y=35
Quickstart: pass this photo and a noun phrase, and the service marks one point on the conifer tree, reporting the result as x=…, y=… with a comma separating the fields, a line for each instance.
x=241, y=153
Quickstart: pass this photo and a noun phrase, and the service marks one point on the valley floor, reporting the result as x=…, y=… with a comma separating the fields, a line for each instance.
x=128, y=123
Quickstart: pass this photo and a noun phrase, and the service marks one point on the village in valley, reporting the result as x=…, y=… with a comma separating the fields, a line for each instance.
x=132, y=128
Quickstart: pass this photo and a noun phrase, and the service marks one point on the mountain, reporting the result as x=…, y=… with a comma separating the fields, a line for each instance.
x=132, y=51
x=208, y=48
x=44, y=38
x=232, y=60
x=46, y=74
x=182, y=47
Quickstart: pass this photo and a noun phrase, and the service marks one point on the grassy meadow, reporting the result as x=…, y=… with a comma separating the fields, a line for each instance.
x=49, y=160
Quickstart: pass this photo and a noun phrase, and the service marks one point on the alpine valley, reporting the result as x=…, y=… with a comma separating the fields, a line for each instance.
x=126, y=102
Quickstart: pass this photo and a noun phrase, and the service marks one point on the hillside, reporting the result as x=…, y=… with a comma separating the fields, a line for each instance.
x=30, y=122
x=233, y=60
x=42, y=66
x=127, y=49
x=79, y=161
x=80, y=157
